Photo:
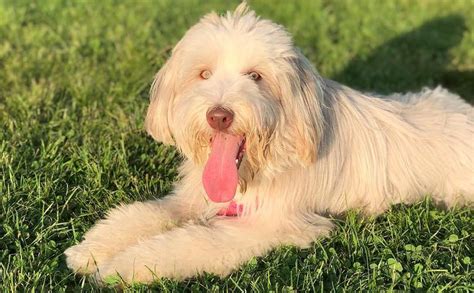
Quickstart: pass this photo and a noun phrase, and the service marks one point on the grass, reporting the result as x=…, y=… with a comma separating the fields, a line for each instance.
x=74, y=78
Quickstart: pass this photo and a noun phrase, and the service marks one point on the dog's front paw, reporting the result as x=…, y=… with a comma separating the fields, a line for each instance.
x=125, y=270
x=83, y=258
x=79, y=259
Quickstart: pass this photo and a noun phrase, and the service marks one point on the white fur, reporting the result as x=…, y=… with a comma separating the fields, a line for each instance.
x=314, y=148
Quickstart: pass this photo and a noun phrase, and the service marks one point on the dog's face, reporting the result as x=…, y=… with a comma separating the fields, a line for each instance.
x=238, y=100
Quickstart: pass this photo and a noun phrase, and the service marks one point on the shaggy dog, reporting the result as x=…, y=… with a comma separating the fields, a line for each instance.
x=271, y=150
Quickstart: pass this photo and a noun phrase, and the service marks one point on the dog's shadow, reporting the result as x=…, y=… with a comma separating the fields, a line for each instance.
x=413, y=60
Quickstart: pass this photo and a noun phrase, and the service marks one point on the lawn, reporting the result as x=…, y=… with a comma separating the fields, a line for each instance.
x=74, y=80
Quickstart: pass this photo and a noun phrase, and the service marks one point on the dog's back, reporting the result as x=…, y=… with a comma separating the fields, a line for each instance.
x=441, y=146
x=449, y=121
x=396, y=148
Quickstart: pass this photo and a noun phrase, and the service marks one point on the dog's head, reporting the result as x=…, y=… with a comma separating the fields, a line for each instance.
x=238, y=99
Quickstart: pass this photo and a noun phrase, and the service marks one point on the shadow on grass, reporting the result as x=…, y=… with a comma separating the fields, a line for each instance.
x=413, y=60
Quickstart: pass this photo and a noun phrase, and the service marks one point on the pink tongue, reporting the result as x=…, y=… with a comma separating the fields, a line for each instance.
x=220, y=177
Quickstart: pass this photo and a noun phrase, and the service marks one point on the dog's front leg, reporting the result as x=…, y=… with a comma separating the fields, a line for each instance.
x=217, y=248
x=126, y=225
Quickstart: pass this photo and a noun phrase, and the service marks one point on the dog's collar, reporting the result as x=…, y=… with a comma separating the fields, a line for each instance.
x=232, y=210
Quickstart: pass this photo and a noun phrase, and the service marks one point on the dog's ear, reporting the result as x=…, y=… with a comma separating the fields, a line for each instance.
x=162, y=93
x=301, y=94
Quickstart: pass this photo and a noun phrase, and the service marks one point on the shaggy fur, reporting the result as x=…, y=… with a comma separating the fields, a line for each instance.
x=313, y=148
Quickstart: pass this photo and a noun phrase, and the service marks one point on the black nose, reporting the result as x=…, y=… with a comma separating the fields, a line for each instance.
x=219, y=118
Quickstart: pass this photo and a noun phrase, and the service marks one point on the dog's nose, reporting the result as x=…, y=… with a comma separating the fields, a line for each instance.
x=219, y=118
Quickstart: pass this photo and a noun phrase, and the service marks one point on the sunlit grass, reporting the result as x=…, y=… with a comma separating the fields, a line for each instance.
x=74, y=79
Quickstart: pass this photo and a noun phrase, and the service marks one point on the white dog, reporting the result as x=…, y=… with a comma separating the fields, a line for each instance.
x=271, y=149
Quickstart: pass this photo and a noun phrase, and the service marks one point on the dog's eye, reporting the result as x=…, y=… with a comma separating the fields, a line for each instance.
x=205, y=74
x=254, y=75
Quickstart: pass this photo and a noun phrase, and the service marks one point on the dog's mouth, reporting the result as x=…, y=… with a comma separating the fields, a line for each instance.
x=220, y=177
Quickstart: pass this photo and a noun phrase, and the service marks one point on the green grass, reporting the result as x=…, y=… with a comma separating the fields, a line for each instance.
x=74, y=79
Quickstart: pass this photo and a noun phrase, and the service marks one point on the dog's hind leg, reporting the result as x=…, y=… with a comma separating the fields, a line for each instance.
x=218, y=248
x=125, y=226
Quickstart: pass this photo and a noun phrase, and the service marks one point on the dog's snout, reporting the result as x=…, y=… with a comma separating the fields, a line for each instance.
x=219, y=118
